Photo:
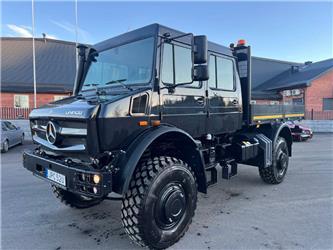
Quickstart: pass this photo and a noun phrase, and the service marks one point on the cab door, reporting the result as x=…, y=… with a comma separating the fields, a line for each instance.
x=182, y=106
x=224, y=98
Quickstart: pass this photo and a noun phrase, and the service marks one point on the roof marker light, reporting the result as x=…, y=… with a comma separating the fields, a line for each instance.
x=241, y=42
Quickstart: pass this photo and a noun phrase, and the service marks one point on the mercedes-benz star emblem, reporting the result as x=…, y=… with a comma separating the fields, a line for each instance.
x=51, y=133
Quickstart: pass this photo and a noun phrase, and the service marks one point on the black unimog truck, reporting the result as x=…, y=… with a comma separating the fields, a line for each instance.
x=153, y=114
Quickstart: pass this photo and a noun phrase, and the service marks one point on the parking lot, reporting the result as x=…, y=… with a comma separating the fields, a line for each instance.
x=243, y=213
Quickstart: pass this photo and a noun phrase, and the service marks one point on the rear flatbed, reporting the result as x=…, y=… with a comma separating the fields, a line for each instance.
x=264, y=113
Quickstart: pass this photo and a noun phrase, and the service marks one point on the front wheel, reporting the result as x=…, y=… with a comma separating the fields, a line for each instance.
x=160, y=203
x=275, y=173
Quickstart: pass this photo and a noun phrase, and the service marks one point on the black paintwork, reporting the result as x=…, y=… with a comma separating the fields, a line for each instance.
x=187, y=114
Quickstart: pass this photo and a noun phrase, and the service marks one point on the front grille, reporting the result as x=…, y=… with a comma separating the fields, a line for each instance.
x=70, y=135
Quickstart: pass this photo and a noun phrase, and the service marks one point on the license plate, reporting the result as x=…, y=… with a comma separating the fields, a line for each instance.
x=56, y=177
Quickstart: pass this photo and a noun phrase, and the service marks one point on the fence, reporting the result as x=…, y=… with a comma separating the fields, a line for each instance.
x=9, y=113
x=319, y=115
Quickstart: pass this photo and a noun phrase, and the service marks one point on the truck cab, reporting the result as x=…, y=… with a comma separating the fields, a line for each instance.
x=154, y=113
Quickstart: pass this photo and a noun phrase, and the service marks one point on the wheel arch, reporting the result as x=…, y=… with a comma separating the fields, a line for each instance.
x=274, y=131
x=146, y=141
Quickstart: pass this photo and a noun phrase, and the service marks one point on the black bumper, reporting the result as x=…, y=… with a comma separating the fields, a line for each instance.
x=78, y=180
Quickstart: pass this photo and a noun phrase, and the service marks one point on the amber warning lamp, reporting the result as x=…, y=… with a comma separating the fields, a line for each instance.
x=143, y=123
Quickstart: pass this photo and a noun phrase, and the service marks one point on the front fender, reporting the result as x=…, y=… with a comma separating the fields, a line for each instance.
x=138, y=146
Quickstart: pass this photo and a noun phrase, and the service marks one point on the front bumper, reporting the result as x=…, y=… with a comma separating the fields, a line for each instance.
x=78, y=180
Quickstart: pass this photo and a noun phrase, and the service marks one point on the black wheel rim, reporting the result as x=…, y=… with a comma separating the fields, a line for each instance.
x=282, y=162
x=170, y=206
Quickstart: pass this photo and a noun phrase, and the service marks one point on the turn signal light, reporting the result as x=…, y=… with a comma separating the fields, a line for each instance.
x=143, y=123
x=96, y=178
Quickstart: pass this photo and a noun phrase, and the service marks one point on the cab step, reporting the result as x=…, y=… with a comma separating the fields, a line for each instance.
x=229, y=169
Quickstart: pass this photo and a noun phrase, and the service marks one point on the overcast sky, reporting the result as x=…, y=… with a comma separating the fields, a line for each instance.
x=294, y=31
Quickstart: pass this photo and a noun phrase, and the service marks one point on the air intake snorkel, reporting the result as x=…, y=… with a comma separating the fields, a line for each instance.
x=82, y=57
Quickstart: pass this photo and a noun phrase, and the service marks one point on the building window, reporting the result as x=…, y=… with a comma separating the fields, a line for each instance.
x=59, y=97
x=327, y=104
x=298, y=101
x=21, y=101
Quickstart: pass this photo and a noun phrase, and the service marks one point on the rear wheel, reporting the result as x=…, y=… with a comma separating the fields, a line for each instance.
x=275, y=173
x=75, y=200
x=5, y=146
x=160, y=203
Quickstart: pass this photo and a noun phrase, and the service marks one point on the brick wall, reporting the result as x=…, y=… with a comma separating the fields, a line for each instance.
x=7, y=99
x=320, y=88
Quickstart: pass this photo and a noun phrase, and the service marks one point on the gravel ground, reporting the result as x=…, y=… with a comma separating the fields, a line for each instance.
x=243, y=213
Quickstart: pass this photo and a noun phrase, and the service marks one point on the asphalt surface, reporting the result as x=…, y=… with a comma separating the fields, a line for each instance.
x=243, y=213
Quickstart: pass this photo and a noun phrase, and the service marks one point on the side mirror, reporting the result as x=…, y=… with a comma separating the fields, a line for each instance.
x=200, y=49
x=200, y=72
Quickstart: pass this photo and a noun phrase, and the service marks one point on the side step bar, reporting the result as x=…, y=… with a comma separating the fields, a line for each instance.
x=229, y=169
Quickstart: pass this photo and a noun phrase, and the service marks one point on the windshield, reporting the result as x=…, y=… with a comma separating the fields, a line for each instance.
x=127, y=64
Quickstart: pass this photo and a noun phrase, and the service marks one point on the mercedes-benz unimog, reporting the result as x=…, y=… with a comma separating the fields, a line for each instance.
x=154, y=113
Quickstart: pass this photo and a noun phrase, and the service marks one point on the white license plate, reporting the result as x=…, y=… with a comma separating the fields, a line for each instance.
x=56, y=177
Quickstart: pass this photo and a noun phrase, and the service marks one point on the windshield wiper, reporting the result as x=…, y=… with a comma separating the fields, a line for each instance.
x=121, y=82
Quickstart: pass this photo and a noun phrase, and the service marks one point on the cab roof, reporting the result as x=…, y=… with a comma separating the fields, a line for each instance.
x=154, y=30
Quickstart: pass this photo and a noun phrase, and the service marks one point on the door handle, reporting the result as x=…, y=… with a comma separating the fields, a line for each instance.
x=201, y=100
x=234, y=101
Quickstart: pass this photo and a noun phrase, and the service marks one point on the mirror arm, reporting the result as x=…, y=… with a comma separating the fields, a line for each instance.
x=167, y=37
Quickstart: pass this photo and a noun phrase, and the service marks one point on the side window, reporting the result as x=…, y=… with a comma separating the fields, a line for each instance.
x=177, y=65
x=212, y=71
x=225, y=73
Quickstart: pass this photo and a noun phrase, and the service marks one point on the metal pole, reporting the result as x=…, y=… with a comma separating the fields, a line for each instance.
x=34, y=52
x=76, y=37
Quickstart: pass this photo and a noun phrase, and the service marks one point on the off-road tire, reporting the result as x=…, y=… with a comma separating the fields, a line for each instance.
x=140, y=213
x=273, y=174
x=74, y=200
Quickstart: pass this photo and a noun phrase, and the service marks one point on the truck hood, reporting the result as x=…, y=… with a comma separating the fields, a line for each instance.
x=78, y=108
x=69, y=107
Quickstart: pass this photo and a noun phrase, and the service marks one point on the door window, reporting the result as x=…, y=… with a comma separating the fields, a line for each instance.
x=167, y=65
x=177, y=65
x=212, y=71
x=221, y=73
x=225, y=73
